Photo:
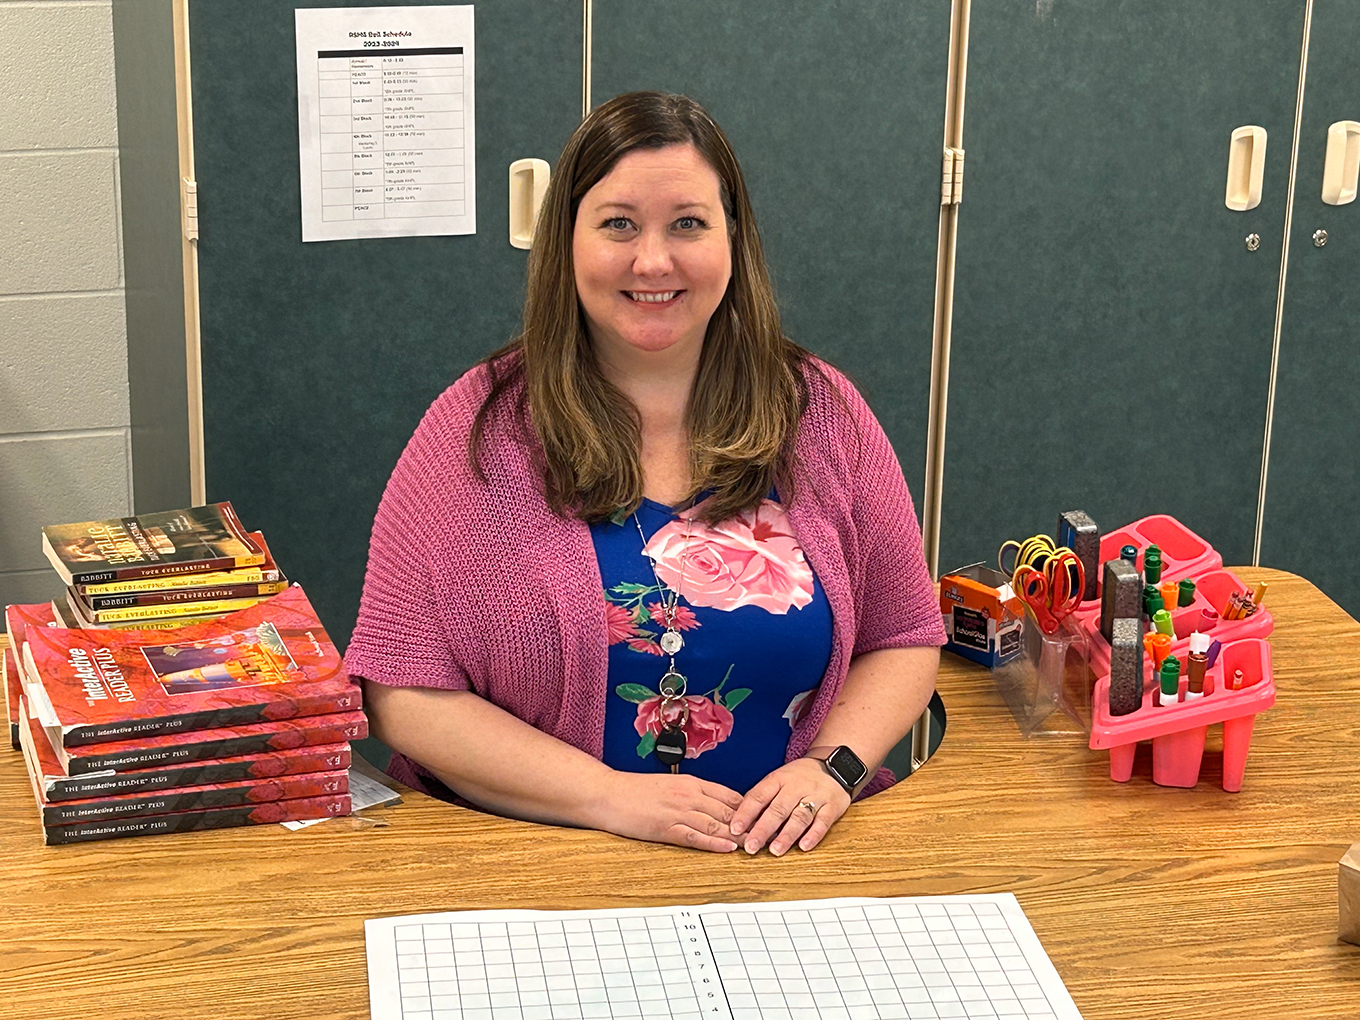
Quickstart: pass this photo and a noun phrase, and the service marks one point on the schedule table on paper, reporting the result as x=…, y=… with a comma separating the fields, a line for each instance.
x=392, y=133
x=842, y=959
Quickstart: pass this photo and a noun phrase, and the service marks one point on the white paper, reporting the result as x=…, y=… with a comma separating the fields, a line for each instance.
x=386, y=122
x=860, y=958
x=363, y=793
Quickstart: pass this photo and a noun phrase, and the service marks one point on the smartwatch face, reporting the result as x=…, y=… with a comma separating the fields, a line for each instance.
x=846, y=765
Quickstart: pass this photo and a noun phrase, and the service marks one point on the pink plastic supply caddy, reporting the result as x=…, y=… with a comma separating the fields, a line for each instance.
x=1177, y=731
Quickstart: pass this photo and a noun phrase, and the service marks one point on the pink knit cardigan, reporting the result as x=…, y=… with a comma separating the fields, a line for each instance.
x=482, y=587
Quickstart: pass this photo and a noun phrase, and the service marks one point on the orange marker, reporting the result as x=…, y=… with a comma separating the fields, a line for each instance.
x=1161, y=647
x=1171, y=595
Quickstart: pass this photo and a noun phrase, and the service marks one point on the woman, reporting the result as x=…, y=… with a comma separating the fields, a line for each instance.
x=651, y=568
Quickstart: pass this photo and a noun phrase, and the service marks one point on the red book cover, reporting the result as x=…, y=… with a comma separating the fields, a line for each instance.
x=52, y=787
x=224, y=742
x=19, y=618
x=196, y=798
x=270, y=662
x=191, y=821
x=13, y=692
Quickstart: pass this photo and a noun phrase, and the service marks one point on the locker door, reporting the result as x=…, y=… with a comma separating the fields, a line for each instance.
x=319, y=358
x=1313, y=484
x=837, y=115
x=1112, y=332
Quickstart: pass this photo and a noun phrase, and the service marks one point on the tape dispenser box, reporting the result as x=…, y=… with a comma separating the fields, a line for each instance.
x=983, y=617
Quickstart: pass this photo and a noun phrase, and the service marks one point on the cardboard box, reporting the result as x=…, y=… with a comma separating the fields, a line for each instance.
x=983, y=617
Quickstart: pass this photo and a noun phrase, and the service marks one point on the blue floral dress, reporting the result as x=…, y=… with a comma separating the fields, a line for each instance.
x=757, y=630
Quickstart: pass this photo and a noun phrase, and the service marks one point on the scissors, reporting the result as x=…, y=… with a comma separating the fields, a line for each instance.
x=1032, y=552
x=1053, y=591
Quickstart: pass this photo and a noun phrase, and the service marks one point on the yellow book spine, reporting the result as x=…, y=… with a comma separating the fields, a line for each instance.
x=246, y=575
x=177, y=609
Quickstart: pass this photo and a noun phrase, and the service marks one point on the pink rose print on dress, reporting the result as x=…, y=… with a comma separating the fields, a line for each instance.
x=710, y=716
x=749, y=560
x=618, y=623
x=709, y=724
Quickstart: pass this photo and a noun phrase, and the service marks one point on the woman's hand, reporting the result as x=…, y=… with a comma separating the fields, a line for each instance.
x=779, y=804
x=682, y=810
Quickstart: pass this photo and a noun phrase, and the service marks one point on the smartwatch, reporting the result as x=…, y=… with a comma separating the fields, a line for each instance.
x=842, y=764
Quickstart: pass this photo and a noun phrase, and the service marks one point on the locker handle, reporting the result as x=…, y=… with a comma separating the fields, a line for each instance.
x=528, y=184
x=1246, y=168
x=1342, y=168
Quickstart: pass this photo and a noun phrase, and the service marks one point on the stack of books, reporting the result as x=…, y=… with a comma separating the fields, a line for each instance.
x=160, y=571
x=240, y=719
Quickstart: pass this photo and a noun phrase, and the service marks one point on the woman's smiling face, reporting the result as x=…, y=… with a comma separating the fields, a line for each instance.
x=651, y=252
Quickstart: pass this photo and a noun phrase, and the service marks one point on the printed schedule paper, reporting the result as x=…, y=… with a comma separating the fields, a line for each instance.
x=386, y=126
x=839, y=959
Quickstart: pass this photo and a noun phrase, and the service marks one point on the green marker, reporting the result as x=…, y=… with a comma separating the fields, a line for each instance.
x=1171, y=680
x=1187, y=593
x=1155, y=604
x=1161, y=619
x=1152, y=565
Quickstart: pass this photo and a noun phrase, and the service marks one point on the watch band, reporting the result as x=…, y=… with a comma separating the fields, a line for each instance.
x=842, y=764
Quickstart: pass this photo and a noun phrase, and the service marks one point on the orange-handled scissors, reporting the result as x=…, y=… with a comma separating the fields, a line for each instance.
x=1052, y=591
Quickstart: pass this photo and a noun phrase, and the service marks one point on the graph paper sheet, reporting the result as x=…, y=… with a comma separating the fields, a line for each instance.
x=841, y=959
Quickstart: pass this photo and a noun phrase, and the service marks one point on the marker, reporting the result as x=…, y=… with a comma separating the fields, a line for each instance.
x=1152, y=564
x=1155, y=603
x=1171, y=594
x=1208, y=620
x=1170, y=674
x=1161, y=619
x=1130, y=554
x=1236, y=683
x=1215, y=646
x=1197, y=664
x=1187, y=592
x=1160, y=646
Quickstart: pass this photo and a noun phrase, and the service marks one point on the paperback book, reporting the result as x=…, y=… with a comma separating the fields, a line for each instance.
x=266, y=573
x=270, y=662
x=70, y=619
x=39, y=758
x=301, y=809
x=54, y=785
x=182, y=600
x=201, y=745
x=199, y=538
x=162, y=611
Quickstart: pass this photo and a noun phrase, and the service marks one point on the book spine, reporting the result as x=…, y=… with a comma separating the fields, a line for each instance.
x=185, y=598
x=225, y=747
x=242, y=715
x=264, y=791
x=166, y=569
x=176, y=609
x=191, y=821
x=326, y=759
x=246, y=575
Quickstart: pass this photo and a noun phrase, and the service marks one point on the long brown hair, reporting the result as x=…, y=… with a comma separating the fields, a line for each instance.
x=749, y=389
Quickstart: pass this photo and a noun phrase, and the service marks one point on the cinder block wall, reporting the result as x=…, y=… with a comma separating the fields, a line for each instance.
x=65, y=447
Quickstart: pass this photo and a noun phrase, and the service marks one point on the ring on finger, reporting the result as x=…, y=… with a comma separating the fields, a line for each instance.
x=812, y=808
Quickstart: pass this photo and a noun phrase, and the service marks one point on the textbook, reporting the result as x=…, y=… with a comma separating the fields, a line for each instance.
x=272, y=661
x=201, y=745
x=136, y=613
x=199, y=538
x=40, y=759
x=266, y=573
x=18, y=618
x=298, y=810
x=55, y=786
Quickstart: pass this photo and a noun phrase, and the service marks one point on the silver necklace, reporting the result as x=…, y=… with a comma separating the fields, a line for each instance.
x=673, y=683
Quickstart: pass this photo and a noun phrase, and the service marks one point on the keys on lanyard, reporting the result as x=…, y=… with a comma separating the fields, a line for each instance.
x=670, y=742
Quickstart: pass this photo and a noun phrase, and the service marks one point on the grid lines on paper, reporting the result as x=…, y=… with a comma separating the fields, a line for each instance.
x=571, y=969
x=887, y=961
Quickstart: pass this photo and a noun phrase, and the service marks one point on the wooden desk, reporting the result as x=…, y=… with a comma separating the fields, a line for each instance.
x=1151, y=902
